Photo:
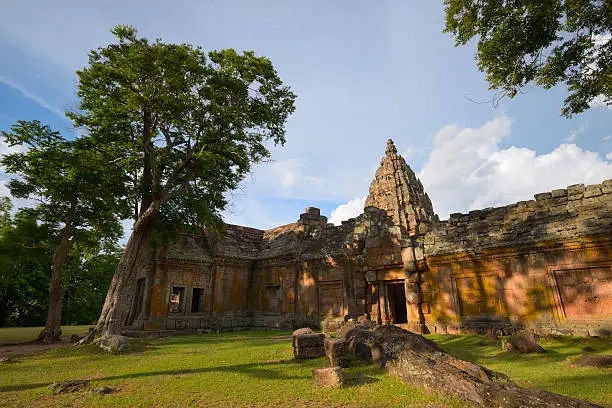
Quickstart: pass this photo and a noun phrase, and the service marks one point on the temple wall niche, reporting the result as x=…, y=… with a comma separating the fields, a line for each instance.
x=544, y=263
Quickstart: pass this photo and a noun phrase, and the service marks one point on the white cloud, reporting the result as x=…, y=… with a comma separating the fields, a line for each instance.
x=290, y=174
x=250, y=212
x=606, y=138
x=600, y=102
x=4, y=190
x=572, y=136
x=609, y=156
x=467, y=169
x=350, y=209
x=6, y=149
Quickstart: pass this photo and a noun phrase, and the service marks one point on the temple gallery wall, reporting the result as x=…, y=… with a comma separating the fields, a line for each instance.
x=545, y=264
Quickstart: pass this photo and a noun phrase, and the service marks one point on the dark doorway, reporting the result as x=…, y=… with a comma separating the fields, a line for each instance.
x=397, y=302
x=196, y=300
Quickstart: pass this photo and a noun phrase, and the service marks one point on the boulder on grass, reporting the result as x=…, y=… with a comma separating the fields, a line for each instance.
x=523, y=342
x=328, y=377
x=69, y=386
x=114, y=343
x=594, y=361
x=346, y=327
x=419, y=361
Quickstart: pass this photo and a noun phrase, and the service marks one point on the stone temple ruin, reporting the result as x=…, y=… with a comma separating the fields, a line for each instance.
x=545, y=264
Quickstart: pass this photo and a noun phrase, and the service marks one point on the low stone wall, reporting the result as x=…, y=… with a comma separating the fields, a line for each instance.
x=562, y=214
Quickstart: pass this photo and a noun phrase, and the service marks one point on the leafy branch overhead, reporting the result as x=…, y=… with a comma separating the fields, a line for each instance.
x=541, y=42
x=70, y=182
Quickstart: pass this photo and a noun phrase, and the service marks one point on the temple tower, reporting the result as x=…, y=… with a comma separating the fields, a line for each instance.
x=397, y=191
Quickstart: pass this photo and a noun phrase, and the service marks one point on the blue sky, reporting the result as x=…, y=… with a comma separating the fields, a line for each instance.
x=363, y=71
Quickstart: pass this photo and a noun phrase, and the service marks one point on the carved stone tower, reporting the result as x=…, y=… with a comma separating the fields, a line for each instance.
x=398, y=191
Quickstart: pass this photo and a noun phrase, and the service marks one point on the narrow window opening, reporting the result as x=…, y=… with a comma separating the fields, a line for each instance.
x=196, y=300
x=176, y=300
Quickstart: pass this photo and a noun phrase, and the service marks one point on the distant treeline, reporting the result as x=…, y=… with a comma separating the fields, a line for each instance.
x=25, y=270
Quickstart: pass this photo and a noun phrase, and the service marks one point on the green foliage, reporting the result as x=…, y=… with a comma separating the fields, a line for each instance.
x=79, y=197
x=71, y=182
x=85, y=283
x=25, y=255
x=186, y=126
x=545, y=42
x=25, y=268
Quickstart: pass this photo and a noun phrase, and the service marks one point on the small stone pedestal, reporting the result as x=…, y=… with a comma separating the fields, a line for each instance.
x=328, y=377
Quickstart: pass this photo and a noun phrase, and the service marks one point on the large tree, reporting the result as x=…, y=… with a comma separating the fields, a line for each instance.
x=78, y=197
x=542, y=42
x=187, y=126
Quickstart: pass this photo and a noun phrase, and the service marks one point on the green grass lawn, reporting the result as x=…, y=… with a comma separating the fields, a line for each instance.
x=551, y=370
x=256, y=369
x=14, y=335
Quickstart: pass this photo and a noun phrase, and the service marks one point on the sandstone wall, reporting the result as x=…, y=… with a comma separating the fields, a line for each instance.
x=544, y=263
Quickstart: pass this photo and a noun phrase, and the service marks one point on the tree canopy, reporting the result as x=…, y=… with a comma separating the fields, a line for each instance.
x=186, y=125
x=541, y=42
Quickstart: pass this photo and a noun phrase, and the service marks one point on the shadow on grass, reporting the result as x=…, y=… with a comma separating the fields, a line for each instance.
x=23, y=387
x=223, y=338
x=256, y=370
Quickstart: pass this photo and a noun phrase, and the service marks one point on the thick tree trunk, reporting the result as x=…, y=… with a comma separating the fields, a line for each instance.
x=53, y=331
x=117, y=305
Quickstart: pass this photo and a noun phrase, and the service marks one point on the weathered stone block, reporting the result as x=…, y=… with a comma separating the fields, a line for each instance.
x=543, y=196
x=328, y=377
x=337, y=352
x=309, y=346
x=592, y=190
x=299, y=332
x=522, y=342
x=575, y=189
x=559, y=193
